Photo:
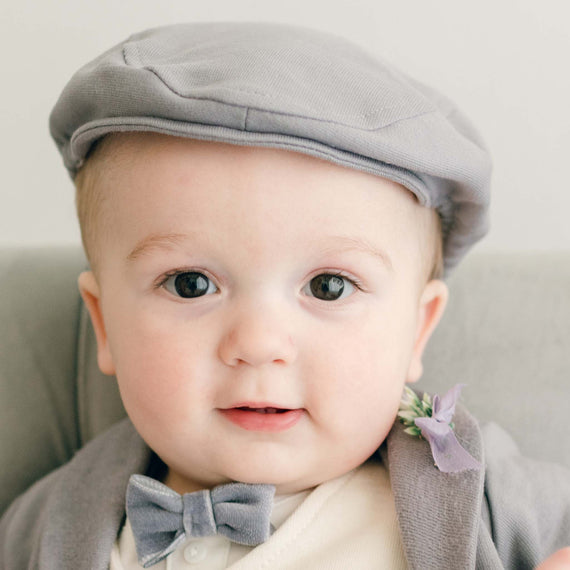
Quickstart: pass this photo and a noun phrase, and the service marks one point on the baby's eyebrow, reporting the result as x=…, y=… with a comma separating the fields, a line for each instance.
x=156, y=241
x=349, y=243
x=334, y=244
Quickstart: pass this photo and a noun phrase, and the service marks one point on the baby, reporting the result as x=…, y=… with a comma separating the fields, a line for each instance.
x=269, y=213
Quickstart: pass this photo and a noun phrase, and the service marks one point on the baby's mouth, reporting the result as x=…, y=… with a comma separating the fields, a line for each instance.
x=262, y=418
x=263, y=410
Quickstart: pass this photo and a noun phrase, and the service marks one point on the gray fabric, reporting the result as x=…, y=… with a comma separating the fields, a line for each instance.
x=161, y=518
x=530, y=509
x=39, y=304
x=449, y=503
x=289, y=87
x=70, y=519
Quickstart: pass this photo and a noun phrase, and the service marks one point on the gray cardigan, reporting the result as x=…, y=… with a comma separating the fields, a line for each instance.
x=513, y=514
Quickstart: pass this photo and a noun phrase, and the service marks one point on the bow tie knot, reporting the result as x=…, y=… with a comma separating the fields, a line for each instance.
x=161, y=518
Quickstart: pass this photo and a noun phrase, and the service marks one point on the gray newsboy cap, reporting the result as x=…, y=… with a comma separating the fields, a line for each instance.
x=276, y=85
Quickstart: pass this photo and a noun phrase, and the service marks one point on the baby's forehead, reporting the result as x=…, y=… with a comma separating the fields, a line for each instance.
x=168, y=186
x=119, y=150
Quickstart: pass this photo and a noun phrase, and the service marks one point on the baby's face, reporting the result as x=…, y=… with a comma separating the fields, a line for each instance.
x=262, y=309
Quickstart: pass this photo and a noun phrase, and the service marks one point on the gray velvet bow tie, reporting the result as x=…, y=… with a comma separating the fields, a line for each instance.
x=161, y=518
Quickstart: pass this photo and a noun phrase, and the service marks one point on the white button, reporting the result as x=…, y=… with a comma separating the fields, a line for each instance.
x=195, y=552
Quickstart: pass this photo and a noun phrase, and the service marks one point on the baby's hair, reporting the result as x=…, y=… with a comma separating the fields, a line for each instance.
x=90, y=202
x=90, y=196
x=433, y=250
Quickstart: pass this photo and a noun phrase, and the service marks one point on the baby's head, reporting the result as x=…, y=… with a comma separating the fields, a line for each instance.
x=266, y=257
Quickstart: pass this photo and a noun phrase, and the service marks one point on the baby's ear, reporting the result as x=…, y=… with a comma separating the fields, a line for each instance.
x=430, y=310
x=89, y=289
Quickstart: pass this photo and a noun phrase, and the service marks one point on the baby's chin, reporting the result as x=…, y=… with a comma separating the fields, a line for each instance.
x=283, y=487
x=290, y=472
x=290, y=481
x=285, y=483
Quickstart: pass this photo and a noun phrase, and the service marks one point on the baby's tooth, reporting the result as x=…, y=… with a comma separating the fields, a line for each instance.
x=266, y=410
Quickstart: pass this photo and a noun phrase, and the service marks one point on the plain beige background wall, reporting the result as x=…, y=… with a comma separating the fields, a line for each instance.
x=504, y=62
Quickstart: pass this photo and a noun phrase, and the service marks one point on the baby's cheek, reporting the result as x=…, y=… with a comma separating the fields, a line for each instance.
x=369, y=408
x=147, y=375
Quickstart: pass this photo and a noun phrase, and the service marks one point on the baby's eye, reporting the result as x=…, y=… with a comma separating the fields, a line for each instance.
x=329, y=287
x=189, y=284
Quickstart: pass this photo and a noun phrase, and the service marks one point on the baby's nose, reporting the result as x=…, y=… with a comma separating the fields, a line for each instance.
x=257, y=338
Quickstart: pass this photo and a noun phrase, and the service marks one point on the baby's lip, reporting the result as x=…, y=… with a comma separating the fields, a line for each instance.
x=261, y=407
x=262, y=416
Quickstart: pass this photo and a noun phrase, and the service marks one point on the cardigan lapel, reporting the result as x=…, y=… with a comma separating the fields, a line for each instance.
x=79, y=533
x=438, y=513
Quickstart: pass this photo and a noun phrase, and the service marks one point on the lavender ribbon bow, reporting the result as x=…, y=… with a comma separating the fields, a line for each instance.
x=161, y=518
x=448, y=454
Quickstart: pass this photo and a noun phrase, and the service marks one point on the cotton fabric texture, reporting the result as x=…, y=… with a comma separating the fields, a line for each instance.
x=344, y=523
x=263, y=84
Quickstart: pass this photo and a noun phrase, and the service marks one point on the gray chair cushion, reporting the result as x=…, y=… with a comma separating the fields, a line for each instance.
x=39, y=321
x=506, y=334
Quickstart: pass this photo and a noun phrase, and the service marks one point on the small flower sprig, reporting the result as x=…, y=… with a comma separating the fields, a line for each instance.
x=411, y=407
x=432, y=421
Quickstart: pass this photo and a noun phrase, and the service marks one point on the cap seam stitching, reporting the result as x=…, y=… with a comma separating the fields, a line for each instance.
x=278, y=113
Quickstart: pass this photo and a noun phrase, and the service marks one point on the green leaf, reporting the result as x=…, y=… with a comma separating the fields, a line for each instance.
x=407, y=415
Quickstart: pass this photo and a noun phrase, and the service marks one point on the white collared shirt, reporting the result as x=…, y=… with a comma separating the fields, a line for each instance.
x=348, y=522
